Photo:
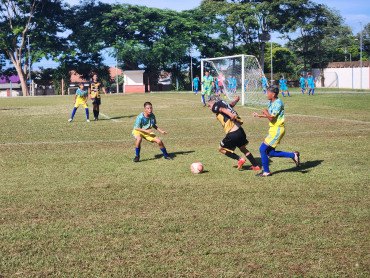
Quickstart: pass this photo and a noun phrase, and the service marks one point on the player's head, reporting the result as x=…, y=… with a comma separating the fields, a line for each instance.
x=309, y=74
x=281, y=77
x=272, y=92
x=301, y=74
x=81, y=86
x=207, y=73
x=197, y=76
x=148, y=108
x=212, y=101
x=95, y=76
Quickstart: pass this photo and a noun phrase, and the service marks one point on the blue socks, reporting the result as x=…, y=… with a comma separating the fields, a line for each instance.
x=73, y=112
x=87, y=113
x=283, y=94
x=203, y=99
x=164, y=151
x=137, y=150
x=313, y=90
x=264, y=157
x=274, y=153
x=302, y=91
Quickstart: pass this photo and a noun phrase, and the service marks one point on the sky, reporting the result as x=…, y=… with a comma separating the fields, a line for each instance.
x=353, y=12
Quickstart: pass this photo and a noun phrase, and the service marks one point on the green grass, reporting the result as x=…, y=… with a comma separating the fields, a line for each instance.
x=73, y=204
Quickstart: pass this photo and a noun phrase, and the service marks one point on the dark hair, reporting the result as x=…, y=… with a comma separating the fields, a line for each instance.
x=309, y=73
x=281, y=76
x=273, y=89
x=301, y=74
x=147, y=103
x=95, y=74
x=81, y=84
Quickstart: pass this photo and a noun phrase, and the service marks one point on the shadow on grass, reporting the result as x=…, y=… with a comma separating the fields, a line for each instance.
x=173, y=155
x=303, y=167
x=123, y=117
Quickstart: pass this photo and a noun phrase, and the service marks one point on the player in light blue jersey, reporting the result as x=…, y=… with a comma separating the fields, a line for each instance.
x=216, y=85
x=302, y=80
x=81, y=98
x=264, y=83
x=196, y=84
x=144, y=124
x=311, y=83
x=283, y=85
x=234, y=80
x=230, y=83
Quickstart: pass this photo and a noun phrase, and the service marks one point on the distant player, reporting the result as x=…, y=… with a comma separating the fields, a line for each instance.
x=311, y=83
x=144, y=124
x=234, y=80
x=283, y=85
x=196, y=84
x=235, y=135
x=81, y=97
x=216, y=85
x=275, y=114
x=230, y=83
x=208, y=85
x=95, y=89
x=302, y=80
x=264, y=83
x=221, y=82
x=245, y=85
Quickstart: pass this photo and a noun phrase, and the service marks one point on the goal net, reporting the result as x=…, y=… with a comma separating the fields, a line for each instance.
x=240, y=75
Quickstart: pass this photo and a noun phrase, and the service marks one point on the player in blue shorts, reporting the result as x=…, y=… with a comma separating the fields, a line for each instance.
x=303, y=83
x=81, y=98
x=144, y=124
x=311, y=83
x=264, y=83
x=283, y=85
x=275, y=114
x=196, y=84
x=230, y=83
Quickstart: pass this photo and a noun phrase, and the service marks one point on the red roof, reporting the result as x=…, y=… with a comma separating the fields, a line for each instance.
x=76, y=78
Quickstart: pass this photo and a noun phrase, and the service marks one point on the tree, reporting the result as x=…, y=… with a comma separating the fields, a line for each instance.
x=41, y=20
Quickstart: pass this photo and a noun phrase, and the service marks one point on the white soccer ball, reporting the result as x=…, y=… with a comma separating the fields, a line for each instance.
x=196, y=167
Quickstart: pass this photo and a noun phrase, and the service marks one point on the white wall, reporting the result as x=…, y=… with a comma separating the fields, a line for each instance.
x=134, y=77
x=348, y=78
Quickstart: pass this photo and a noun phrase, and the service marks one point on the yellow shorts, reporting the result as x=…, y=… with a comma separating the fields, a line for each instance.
x=147, y=136
x=275, y=135
x=80, y=102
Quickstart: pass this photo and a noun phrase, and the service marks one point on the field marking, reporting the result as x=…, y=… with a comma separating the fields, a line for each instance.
x=105, y=116
x=167, y=138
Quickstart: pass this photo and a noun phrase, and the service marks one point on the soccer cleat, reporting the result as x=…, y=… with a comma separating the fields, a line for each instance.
x=264, y=174
x=70, y=120
x=241, y=161
x=88, y=120
x=136, y=159
x=257, y=168
x=95, y=119
x=296, y=158
x=168, y=158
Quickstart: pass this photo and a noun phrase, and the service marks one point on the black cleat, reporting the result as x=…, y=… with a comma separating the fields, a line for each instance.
x=168, y=157
x=264, y=174
x=136, y=159
x=296, y=158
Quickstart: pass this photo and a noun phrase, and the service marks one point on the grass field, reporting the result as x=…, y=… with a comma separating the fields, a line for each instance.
x=73, y=204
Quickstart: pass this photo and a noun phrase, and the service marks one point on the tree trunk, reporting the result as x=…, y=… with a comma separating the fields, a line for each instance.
x=262, y=60
x=22, y=79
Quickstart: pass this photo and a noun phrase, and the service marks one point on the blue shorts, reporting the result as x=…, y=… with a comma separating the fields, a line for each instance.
x=195, y=87
x=283, y=88
x=303, y=86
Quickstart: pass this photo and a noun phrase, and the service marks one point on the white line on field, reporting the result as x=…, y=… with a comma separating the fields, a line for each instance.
x=105, y=116
x=167, y=138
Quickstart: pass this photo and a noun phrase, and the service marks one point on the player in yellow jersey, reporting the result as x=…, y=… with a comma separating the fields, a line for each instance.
x=95, y=89
x=81, y=97
x=275, y=114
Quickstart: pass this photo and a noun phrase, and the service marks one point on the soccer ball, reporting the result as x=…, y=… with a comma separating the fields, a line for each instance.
x=196, y=167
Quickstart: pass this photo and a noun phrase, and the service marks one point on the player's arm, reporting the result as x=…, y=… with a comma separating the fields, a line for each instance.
x=227, y=112
x=103, y=88
x=75, y=98
x=236, y=99
x=160, y=130
x=265, y=114
x=89, y=92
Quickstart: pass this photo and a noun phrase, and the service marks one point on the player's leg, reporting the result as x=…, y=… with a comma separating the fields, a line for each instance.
x=162, y=148
x=250, y=157
x=227, y=147
x=282, y=92
x=313, y=90
x=203, y=100
x=74, y=111
x=265, y=160
x=138, y=141
x=288, y=92
x=86, y=111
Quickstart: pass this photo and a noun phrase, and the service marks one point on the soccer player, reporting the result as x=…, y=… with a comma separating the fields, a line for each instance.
x=311, y=83
x=81, y=97
x=221, y=81
x=144, y=124
x=275, y=114
x=235, y=135
x=283, y=85
x=303, y=83
x=230, y=83
x=208, y=85
x=234, y=84
x=264, y=83
x=95, y=89
x=196, y=84
x=216, y=85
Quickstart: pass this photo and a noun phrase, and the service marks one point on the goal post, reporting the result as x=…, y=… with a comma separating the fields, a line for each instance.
x=241, y=75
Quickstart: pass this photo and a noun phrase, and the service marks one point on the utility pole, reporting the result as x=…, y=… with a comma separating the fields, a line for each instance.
x=29, y=65
x=272, y=72
x=361, y=56
x=191, y=66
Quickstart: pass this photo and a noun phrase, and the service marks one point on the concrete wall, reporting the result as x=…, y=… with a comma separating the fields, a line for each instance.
x=345, y=78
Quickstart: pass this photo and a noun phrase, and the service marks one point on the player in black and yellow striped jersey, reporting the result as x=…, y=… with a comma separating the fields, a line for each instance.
x=235, y=135
x=95, y=89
